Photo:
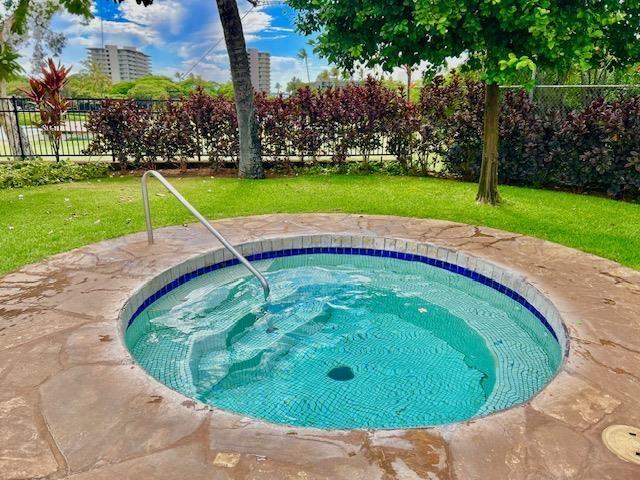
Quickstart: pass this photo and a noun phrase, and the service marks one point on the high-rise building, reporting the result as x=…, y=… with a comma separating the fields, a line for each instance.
x=121, y=63
x=260, y=66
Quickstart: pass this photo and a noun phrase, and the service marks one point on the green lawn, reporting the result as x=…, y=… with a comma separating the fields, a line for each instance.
x=52, y=219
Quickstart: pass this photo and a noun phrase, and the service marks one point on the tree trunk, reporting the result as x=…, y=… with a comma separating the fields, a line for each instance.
x=250, y=155
x=306, y=62
x=18, y=144
x=488, y=185
x=409, y=70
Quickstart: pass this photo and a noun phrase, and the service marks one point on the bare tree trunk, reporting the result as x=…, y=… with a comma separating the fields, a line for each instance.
x=306, y=62
x=488, y=185
x=250, y=157
x=409, y=70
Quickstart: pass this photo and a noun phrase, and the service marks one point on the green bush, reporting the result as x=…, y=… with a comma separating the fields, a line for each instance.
x=38, y=172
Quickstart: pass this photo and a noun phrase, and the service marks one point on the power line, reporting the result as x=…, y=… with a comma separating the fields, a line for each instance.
x=183, y=76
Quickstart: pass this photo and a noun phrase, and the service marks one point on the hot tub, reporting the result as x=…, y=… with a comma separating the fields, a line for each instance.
x=357, y=333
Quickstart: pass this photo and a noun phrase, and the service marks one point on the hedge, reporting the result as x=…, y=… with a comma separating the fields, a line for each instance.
x=38, y=172
x=596, y=148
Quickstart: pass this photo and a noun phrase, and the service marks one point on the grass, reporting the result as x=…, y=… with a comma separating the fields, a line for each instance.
x=51, y=219
x=41, y=146
x=31, y=118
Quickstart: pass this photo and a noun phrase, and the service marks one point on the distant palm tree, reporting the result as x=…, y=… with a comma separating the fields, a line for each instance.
x=278, y=87
x=303, y=55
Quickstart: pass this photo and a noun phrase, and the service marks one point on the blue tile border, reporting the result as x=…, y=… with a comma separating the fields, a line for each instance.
x=371, y=252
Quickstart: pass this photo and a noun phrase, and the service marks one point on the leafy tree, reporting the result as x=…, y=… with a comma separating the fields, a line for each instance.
x=20, y=19
x=148, y=91
x=121, y=89
x=193, y=83
x=333, y=77
x=17, y=85
x=89, y=83
x=148, y=87
x=500, y=38
x=250, y=164
x=226, y=90
x=323, y=76
x=98, y=81
x=294, y=84
x=40, y=33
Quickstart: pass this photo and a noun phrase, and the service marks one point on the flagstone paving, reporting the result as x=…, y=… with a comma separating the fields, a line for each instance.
x=73, y=404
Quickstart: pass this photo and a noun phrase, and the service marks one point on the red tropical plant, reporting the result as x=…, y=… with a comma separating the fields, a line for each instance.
x=120, y=127
x=46, y=93
x=216, y=125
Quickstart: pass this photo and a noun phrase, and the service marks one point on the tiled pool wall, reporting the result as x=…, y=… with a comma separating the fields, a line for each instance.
x=496, y=277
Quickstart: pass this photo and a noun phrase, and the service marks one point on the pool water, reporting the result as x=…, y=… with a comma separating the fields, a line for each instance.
x=345, y=341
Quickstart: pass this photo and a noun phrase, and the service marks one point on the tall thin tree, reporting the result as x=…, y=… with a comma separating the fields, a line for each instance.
x=304, y=56
x=409, y=69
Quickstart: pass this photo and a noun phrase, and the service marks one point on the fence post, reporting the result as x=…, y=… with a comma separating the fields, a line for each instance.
x=18, y=129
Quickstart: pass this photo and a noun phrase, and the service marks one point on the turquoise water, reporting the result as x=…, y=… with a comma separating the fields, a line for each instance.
x=345, y=341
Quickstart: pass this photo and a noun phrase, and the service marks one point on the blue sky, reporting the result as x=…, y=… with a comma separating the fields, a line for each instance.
x=176, y=33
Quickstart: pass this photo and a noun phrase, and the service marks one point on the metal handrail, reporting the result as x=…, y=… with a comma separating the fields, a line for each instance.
x=201, y=219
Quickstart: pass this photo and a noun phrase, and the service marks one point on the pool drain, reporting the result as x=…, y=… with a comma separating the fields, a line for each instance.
x=341, y=373
x=624, y=441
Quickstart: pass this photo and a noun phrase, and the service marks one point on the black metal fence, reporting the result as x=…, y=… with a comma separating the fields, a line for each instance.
x=21, y=137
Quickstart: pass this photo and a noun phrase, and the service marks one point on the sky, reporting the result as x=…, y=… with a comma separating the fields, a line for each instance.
x=177, y=33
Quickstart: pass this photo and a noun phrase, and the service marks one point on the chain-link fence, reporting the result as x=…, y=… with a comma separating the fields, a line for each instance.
x=564, y=99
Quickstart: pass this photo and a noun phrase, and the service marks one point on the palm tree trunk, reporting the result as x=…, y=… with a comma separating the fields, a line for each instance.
x=250, y=156
x=306, y=62
x=488, y=185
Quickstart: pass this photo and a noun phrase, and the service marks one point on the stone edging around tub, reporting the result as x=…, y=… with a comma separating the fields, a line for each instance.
x=486, y=273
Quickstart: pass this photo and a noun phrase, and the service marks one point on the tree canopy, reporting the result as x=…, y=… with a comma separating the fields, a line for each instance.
x=89, y=83
x=499, y=38
x=294, y=84
x=17, y=17
x=502, y=39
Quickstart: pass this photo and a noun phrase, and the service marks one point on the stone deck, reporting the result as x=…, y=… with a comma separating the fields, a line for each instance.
x=73, y=404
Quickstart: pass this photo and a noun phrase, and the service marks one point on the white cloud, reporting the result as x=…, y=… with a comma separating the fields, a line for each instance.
x=280, y=29
x=183, y=30
x=114, y=32
x=158, y=16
